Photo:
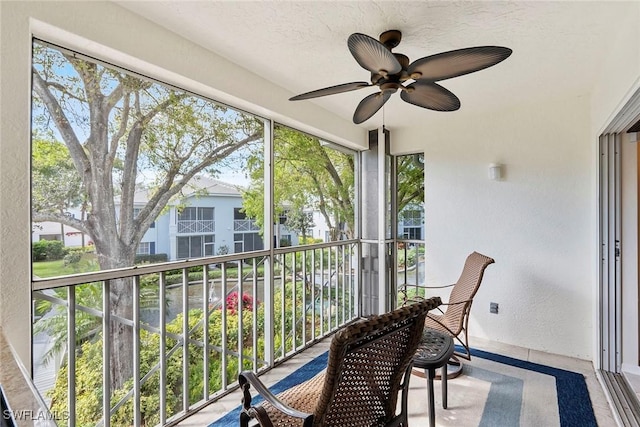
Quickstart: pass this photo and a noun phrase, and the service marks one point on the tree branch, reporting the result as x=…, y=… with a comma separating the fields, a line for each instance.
x=62, y=219
x=78, y=155
x=113, y=146
x=170, y=188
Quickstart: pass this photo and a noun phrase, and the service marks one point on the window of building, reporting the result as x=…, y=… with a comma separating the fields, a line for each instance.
x=50, y=237
x=196, y=214
x=195, y=246
x=144, y=248
x=412, y=233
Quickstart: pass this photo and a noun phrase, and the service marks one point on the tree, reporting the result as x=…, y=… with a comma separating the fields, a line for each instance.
x=124, y=134
x=56, y=185
x=301, y=222
x=308, y=175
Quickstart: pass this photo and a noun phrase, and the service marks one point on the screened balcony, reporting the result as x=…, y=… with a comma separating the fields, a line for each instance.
x=557, y=115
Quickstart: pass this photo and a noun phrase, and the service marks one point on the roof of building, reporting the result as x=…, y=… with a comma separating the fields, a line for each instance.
x=199, y=185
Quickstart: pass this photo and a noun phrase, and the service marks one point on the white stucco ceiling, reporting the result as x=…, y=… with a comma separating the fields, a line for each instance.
x=301, y=45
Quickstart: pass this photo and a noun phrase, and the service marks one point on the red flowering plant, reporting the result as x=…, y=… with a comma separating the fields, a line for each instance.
x=232, y=302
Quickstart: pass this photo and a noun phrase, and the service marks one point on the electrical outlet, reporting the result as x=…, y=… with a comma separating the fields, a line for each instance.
x=493, y=307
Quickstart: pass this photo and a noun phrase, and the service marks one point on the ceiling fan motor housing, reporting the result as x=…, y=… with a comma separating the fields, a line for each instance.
x=391, y=38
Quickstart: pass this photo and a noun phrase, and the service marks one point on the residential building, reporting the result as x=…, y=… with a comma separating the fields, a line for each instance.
x=207, y=220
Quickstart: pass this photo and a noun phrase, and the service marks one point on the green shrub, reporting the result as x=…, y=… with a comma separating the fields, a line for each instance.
x=48, y=250
x=73, y=257
x=88, y=372
x=151, y=258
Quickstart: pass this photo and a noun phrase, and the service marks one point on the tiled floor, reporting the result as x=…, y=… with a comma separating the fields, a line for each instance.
x=418, y=415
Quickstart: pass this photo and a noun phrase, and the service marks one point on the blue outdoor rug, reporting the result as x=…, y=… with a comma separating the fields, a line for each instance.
x=494, y=391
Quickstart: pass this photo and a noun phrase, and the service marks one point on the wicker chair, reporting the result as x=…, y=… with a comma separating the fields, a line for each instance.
x=455, y=319
x=369, y=362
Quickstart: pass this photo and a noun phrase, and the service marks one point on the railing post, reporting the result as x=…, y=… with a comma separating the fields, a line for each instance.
x=205, y=330
x=163, y=349
x=137, y=415
x=71, y=354
x=185, y=333
x=106, y=353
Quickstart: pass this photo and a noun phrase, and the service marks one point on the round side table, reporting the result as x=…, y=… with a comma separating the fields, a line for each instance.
x=434, y=351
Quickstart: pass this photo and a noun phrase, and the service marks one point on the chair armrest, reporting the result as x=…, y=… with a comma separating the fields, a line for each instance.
x=406, y=285
x=248, y=377
x=457, y=303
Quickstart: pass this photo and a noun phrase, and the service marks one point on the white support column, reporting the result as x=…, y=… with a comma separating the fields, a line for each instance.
x=268, y=241
x=375, y=225
x=383, y=208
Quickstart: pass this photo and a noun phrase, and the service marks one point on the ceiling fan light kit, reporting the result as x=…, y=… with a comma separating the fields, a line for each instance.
x=390, y=71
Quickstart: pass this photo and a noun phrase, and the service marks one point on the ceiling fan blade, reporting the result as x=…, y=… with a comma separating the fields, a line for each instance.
x=372, y=55
x=456, y=63
x=331, y=90
x=370, y=105
x=430, y=95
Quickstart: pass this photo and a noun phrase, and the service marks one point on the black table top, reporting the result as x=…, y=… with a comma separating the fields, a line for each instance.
x=434, y=350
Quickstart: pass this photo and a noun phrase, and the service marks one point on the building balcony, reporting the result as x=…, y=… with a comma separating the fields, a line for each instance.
x=196, y=226
x=245, y=225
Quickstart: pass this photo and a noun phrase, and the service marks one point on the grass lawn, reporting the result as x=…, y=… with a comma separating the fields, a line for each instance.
x=57, y=268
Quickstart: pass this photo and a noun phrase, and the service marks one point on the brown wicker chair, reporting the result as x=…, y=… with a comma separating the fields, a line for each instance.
x=454, y=320
x=369, y=362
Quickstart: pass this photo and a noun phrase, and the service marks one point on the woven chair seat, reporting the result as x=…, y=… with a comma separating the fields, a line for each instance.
x=368, y=367
x=303, y=397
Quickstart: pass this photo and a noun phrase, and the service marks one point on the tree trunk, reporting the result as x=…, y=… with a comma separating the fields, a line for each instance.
x=120, y=335
x=121, y=296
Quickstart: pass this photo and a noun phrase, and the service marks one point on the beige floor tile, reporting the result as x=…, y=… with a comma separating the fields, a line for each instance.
x=463, y=392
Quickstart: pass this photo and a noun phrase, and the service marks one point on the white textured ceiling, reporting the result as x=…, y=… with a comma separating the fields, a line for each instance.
x=302, y=45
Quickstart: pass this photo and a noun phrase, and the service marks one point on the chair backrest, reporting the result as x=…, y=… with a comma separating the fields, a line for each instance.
x=464, y=290
x=367, y=361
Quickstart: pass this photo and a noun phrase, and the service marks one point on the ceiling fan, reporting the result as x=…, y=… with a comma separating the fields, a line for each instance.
x=389, y=71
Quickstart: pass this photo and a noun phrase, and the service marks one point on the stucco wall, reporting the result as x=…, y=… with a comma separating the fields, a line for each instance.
x=535, y=222
x=109, y=32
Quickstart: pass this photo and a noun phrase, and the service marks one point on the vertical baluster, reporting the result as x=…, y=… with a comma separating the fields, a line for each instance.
x=106, y=352
x=255, y=313
x=205, y=330
x=405, y=272
x=343, y=274
x=185, y=339
x=239, y=310
x=353, y=297
x=223, y=295
x=137, y=417
x=163, y=349
x=304, y=298
x=322, y=291
x=313, y=294
x=354, y=274
x=71, y=354
x=294, y=280
x=417, y=262
x=283, y=331
x=329, y=288
x=337, y=288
